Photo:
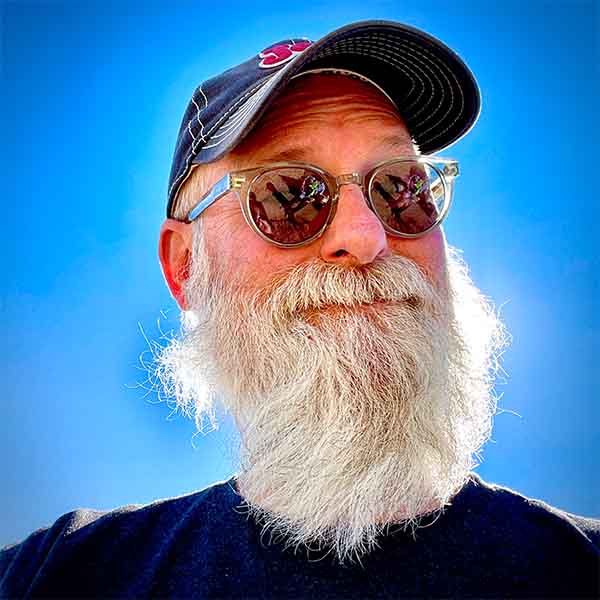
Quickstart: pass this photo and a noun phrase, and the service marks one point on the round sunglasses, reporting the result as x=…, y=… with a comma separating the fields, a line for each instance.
x=292, y=204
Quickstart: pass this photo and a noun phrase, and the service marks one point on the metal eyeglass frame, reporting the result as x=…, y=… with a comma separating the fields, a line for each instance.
x=241, y=182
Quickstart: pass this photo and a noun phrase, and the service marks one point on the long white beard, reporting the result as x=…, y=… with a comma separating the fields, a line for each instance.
x=362, y=395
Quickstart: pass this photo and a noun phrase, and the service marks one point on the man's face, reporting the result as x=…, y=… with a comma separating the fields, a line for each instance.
x=358, y=367
x=343, y=126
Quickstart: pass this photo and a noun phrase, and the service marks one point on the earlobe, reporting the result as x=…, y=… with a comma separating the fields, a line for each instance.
x=175, y=253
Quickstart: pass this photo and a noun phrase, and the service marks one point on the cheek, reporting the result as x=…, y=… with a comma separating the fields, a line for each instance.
x=429, y=252
x=248, y=261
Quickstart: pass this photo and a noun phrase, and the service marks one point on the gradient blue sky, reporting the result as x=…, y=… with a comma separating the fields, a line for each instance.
x=92, y=97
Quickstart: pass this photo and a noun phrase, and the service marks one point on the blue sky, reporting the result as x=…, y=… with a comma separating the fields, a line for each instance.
x=93, y=94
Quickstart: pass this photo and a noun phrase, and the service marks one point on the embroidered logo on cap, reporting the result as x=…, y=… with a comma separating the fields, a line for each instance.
x=278, y=54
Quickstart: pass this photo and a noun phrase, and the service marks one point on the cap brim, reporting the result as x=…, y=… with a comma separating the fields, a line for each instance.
x=435, y=92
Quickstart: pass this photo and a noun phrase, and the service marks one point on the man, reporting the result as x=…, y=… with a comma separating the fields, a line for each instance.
x=324, y=310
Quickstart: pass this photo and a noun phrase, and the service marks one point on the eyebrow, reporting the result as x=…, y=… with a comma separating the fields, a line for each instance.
x=293, y=154
x=301, y=153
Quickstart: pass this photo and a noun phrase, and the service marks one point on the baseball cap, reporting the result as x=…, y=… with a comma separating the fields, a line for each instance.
x=434, y=91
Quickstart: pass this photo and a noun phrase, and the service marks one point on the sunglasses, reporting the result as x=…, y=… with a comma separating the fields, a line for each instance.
x=292, y=204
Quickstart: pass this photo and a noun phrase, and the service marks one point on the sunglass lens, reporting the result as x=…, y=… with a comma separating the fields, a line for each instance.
x=290, y=205
x=408, y=196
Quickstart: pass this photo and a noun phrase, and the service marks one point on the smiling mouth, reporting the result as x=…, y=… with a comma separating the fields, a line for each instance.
x=412, y=302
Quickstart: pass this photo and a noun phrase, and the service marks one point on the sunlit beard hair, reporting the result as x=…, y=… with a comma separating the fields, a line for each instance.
x=363, y=395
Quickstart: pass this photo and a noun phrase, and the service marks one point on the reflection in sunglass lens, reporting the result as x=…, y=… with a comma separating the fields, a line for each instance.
x=290, y=205
x=408, y=196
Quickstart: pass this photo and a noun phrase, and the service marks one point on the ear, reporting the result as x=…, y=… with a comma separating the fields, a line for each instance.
x=175, y=254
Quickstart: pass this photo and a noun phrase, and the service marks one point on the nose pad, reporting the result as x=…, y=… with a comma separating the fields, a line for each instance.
x=356, y=235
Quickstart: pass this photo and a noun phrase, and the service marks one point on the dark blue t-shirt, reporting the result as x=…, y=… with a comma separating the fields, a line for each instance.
x=490, y=542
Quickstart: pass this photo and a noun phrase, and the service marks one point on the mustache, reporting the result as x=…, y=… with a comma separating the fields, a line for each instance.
x=316, y=285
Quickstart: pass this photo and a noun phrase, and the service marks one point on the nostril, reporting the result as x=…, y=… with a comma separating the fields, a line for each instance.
x=340, y=253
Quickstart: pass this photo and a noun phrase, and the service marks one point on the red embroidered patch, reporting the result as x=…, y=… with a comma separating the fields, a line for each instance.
x=276, y=55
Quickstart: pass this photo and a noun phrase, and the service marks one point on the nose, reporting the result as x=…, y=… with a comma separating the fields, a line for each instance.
x=355, y=236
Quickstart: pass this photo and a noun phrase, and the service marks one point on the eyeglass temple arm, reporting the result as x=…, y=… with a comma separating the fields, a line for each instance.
x=217, y=191
x=450, y=171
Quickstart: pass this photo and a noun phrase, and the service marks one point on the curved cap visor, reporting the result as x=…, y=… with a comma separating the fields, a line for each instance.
x=435, y=92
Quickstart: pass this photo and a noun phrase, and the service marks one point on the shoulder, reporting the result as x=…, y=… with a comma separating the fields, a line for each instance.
x=497, y=539
x=203, y=506
x=83, y=539
x=501, y=506
x=536, y=546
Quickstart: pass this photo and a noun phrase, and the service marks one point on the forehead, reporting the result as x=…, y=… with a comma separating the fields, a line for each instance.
x=320, y=112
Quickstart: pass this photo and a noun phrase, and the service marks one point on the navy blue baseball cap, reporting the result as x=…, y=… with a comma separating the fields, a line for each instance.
x=434, y=91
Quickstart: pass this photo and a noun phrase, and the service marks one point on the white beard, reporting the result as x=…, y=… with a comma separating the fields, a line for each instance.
x=362, y=394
